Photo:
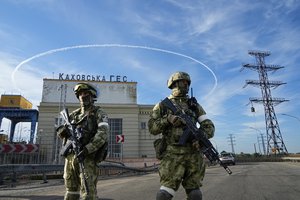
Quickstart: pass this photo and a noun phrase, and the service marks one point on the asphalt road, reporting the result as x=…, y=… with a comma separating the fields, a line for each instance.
x=259, y=181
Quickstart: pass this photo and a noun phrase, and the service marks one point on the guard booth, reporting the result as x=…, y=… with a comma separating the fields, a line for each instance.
x=18, y=109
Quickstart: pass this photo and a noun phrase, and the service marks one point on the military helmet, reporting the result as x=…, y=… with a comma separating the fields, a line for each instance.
x=178, y=76
x=84, y=86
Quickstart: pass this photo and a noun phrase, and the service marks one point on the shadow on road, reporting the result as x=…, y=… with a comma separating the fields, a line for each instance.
x=38, y=197
x=247, y=163
x=33, y=197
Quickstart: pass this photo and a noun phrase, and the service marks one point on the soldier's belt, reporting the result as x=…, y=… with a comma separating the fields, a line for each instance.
x=179, y=149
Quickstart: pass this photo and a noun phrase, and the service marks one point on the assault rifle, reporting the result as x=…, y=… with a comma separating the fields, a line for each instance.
x=74, y=142
x=191, y=132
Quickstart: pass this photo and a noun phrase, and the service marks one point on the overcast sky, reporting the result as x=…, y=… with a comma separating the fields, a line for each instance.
x=149, y=40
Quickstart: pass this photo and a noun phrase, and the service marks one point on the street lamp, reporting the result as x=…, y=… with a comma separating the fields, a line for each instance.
x=262, y=139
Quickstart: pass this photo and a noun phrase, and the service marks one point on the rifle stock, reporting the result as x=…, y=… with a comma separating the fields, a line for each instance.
x=74, y=143
x=192, y=132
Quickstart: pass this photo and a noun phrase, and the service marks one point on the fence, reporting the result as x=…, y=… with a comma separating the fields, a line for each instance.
x=9, y=174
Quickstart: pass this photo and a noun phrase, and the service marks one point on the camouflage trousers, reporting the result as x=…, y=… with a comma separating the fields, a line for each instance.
x=186, y=169
x=74, y=179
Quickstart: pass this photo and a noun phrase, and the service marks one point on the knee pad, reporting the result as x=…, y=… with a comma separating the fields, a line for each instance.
x=163, y=195
x=195, y=194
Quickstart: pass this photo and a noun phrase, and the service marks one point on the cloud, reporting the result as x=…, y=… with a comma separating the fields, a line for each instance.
x=229, y=94
x=7, y=62
x=29, y=79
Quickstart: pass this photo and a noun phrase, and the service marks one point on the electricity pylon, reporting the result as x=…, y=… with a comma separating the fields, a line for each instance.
x=274, y=138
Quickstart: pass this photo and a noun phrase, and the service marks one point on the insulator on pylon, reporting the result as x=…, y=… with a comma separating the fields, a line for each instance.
x=252, y=109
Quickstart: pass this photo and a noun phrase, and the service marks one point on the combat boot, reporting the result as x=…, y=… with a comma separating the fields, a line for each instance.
x=194, y=194
x=163, y=195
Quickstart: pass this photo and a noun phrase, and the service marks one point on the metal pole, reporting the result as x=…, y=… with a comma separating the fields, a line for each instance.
x=55, y=161
x=121, y=151
x=263, y=143
x=258, y=144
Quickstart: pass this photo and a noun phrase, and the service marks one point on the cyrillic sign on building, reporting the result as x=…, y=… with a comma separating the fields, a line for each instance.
x=112, y=89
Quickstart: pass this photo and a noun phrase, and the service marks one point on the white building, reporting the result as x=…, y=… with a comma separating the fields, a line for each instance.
x=119, y=100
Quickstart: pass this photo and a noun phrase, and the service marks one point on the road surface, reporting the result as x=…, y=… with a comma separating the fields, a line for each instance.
x=259, y=181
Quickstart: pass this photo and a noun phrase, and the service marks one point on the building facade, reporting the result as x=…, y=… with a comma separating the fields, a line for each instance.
x=129, y=135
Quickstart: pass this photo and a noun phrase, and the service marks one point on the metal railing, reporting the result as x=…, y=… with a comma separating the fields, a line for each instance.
x=11, y=172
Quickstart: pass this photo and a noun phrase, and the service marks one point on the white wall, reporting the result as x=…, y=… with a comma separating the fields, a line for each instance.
x=55, y=90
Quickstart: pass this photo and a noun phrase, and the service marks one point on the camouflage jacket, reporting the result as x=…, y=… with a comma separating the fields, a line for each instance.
x=94, y=125
x=158, y=123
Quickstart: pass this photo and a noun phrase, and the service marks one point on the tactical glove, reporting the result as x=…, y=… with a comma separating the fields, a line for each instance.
x=175, y=120
x=82, y=154
x=62, y=132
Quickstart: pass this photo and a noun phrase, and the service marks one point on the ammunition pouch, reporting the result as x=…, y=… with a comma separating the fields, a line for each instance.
x=101, y=153
x=160, y=146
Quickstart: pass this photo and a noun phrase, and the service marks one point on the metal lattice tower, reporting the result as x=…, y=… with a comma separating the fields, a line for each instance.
x=274, y=138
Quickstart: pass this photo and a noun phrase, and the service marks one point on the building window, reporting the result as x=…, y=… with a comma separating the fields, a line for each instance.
x=115, y=149
x=143, y=125
x=59, y=121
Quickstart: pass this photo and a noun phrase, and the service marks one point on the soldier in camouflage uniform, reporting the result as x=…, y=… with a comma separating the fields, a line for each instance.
x=95, y=129
x=179, y=164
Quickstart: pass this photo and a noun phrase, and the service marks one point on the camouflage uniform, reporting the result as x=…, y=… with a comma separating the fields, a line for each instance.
x=179, y=164
x=94, y=124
